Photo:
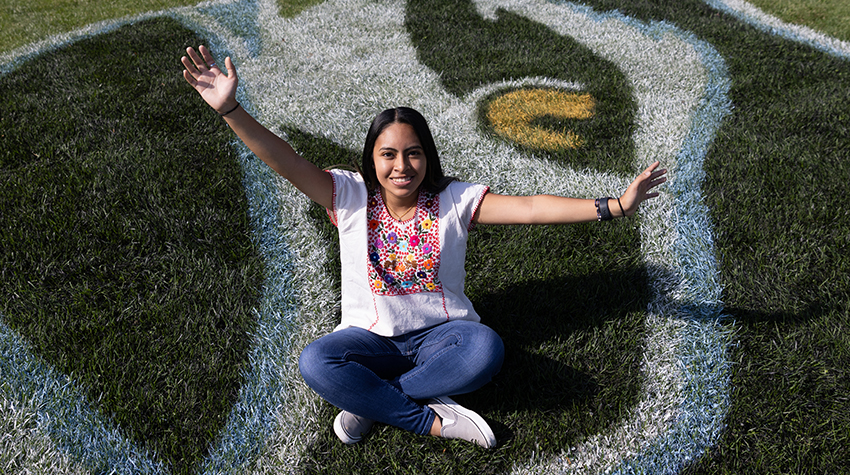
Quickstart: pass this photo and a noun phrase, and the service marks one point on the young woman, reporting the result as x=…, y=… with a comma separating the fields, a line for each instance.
x=409, y=337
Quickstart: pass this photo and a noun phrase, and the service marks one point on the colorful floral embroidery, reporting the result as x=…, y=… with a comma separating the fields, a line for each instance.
x=404, y=256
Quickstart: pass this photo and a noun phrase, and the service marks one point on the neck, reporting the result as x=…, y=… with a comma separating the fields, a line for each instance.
x=400, y=209
x=400, y=216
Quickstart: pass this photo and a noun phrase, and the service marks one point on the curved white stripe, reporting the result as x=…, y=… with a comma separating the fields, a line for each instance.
x=63, y=414
x=669, y=82
x=752, y=15
x=344, y=68
x=24, y=448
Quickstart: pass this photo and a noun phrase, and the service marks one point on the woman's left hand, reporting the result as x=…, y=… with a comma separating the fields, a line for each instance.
x=639, y=190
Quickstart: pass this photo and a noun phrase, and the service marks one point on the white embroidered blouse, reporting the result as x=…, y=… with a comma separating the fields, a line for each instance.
x=401, y=276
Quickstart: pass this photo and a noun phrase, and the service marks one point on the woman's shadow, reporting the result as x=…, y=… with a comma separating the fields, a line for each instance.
x=573, y=349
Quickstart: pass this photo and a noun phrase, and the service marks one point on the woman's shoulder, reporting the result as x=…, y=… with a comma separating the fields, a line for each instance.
x=464, y=199
x=349, y=192
x=461, y=189
x=345, y=173
x=347, y=181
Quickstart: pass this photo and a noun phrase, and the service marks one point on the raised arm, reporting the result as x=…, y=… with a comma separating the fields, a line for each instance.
x=219, y=91
x=549, y=209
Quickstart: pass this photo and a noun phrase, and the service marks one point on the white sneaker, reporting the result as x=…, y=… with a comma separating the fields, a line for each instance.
x=351, y=428
x=461, y=423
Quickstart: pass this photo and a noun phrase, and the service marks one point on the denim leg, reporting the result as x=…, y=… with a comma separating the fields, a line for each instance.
x=349, y=368
x=455, y=357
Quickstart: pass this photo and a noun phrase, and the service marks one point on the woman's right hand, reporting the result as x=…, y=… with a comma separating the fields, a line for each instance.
x=215, y=87
x=219, y=91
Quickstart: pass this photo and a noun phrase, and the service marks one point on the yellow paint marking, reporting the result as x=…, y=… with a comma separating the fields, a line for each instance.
x=512, y=115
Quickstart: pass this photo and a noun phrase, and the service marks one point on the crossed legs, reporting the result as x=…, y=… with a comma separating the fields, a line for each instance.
x=387, y=379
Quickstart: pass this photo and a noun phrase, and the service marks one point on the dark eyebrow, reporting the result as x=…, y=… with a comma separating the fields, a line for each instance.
x=415, y=147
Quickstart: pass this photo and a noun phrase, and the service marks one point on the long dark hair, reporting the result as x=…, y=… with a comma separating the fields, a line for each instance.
x=435, y=181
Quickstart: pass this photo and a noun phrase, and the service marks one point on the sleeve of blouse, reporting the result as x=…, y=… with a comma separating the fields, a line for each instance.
x=467, y=198
x=332, y=212
x=481, y=191
x=349, y=194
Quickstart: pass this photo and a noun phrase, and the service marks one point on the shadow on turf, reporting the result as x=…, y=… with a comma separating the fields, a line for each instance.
x=572, y=369
x=805, y=313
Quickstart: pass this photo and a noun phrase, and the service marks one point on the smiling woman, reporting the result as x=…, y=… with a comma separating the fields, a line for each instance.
x=574, y=395
x=400, y=166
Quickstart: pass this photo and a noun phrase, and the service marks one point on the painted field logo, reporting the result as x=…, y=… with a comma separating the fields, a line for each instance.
x=517, y=116
x=319, y=78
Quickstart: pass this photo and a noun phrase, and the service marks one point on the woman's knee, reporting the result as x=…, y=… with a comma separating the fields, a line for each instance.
x=486, y=343
x=333, y=352
x=485, y=351
x=311, y=362
x=492, y=349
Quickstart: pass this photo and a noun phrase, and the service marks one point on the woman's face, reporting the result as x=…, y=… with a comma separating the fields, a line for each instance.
x=400, y=164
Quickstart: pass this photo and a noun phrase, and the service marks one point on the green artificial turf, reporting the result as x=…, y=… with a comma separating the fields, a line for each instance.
x=126, y=255
x=34, y=20
x=776, y=173
x=127, y=262
x=570, y=310
x=828, y=16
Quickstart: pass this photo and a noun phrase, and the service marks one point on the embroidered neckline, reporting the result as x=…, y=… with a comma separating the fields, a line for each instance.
x=390, y=213
x=403, y=255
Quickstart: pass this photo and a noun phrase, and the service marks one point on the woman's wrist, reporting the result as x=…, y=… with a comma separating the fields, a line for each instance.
x=228, y=108
x=603, y=212
x=609, y=208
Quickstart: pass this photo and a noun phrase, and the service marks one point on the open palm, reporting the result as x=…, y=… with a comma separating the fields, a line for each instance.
x=215, y=87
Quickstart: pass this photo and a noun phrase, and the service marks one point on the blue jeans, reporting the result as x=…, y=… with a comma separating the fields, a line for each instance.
x=386, y=378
